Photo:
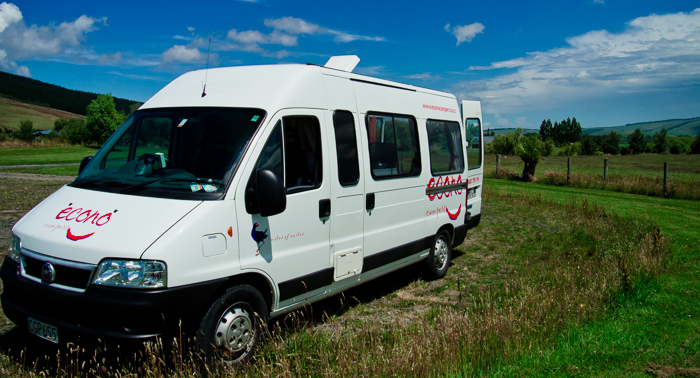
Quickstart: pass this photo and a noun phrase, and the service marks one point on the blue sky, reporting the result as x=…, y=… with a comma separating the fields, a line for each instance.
x=605, y=62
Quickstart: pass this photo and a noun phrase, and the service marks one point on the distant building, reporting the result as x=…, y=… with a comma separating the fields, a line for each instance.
x=42, y=133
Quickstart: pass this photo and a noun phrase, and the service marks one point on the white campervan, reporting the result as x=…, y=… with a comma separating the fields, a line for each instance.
x=237, y=194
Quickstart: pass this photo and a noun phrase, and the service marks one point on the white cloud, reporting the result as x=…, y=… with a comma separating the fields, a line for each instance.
x=424, y=76
x=21, y=42
x=182, y=54
x=9, y=14
x=297, y=26
x=250, y=37
x=653, y=53
x=465, y=33
x=110, y=59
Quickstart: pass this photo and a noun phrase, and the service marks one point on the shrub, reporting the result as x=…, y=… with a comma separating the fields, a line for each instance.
x=26, y=130
x=74, y=132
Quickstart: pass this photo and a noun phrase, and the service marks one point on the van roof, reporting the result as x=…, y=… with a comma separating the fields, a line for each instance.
x=265, y=86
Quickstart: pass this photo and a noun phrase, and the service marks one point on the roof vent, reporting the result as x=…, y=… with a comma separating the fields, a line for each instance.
x=343, y=62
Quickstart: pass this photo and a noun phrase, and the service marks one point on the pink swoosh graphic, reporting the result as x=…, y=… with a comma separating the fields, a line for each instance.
x=72, y=237
x=452, y=216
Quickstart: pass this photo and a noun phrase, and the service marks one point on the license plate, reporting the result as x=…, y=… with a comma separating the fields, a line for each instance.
x=472, y=193
x=43, y=330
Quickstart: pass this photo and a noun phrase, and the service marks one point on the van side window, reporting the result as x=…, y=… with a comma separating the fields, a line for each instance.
x=346, y=147
x=445, y=144
x=473, y=134
x=393, y=145
x=270, y=159
x=271, y=155
x=302, y=153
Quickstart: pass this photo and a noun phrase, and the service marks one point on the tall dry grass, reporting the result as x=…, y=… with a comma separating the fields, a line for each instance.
x=572, y=263
x=634, y=184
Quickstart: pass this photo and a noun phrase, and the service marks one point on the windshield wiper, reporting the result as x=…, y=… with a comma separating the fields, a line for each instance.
x=101, y=180
x=181, y=179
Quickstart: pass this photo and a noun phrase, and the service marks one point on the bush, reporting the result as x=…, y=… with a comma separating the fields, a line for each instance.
x=695, y=146
x=26, y=130
x=74, y=132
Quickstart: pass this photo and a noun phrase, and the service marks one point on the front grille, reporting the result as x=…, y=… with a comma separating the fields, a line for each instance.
x=69, y=274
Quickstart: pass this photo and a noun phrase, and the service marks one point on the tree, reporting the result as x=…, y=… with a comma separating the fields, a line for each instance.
x=661, y=141
x=636, y=141
x=529, y=151
x=611, y=144
x=588, y=144
x=102, y=118
x=546, y=129
x=505, y=144
x=695, y=146
x=26, y=130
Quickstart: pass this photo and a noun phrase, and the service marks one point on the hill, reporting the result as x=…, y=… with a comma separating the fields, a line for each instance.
x=675, y=127
x=13, y=112
x=36, y=92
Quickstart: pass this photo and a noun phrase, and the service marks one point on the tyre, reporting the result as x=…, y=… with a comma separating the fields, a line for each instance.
x=232, y=327
x=440, y=254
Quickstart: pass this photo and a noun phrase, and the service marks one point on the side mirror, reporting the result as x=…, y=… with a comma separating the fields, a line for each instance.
x=269, y=193
x=84, y=163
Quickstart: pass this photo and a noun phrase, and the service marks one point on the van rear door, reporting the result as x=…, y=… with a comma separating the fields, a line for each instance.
x=474, y=132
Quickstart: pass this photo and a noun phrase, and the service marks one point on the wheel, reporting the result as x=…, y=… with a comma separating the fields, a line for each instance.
x=439, y=258
x=232, y=328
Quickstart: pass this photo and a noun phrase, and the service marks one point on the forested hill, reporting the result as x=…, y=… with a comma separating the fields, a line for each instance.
x=36, y=92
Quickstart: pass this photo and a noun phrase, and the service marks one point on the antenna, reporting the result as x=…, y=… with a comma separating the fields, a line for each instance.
x=206, y=72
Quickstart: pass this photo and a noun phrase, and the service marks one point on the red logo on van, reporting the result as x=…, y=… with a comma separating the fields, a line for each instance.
x=84, y=216
x=444, y=181
x=455, y=215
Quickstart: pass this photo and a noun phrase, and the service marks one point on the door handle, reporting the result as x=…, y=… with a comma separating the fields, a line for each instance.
x=369, y=201
x=324, y=208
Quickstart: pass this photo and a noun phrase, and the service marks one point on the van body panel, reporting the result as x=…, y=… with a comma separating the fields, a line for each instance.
x=266, y=87
x=183, y=246
x=86, y=226
x=294, y=246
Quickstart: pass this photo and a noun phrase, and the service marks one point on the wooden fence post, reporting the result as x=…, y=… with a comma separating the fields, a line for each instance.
x=665, y=179
x=568, y=171
x=605, y=169
x=498, y=163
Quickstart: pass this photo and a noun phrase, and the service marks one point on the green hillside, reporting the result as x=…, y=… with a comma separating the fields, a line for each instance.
x=14, y=112
x=36, y=92
x=675, y=127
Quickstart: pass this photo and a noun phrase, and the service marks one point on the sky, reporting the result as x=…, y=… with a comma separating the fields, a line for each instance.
x=605, y=62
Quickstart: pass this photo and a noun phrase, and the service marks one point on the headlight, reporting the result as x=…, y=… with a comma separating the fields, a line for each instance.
x=13, y=251
x=131, y=273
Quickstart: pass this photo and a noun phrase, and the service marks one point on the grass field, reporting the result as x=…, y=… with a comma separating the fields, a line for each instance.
x=13, y=112
x=555, y=281
x=637, y=174
x=44, y=155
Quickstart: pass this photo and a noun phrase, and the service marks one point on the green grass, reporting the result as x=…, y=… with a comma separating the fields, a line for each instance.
x=637, y=174
x=11, y=115
x=658, y=324
x=682, y=167
x=67, y=170
x=44, y=155
x=555, y=281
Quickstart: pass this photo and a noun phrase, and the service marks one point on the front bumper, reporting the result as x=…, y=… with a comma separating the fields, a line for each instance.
x=106, y=311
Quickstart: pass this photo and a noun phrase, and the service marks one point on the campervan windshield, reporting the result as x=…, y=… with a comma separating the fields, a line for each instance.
x=173, y=152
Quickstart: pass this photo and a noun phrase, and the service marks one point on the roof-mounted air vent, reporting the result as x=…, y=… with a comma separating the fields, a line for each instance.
x=343, y=62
